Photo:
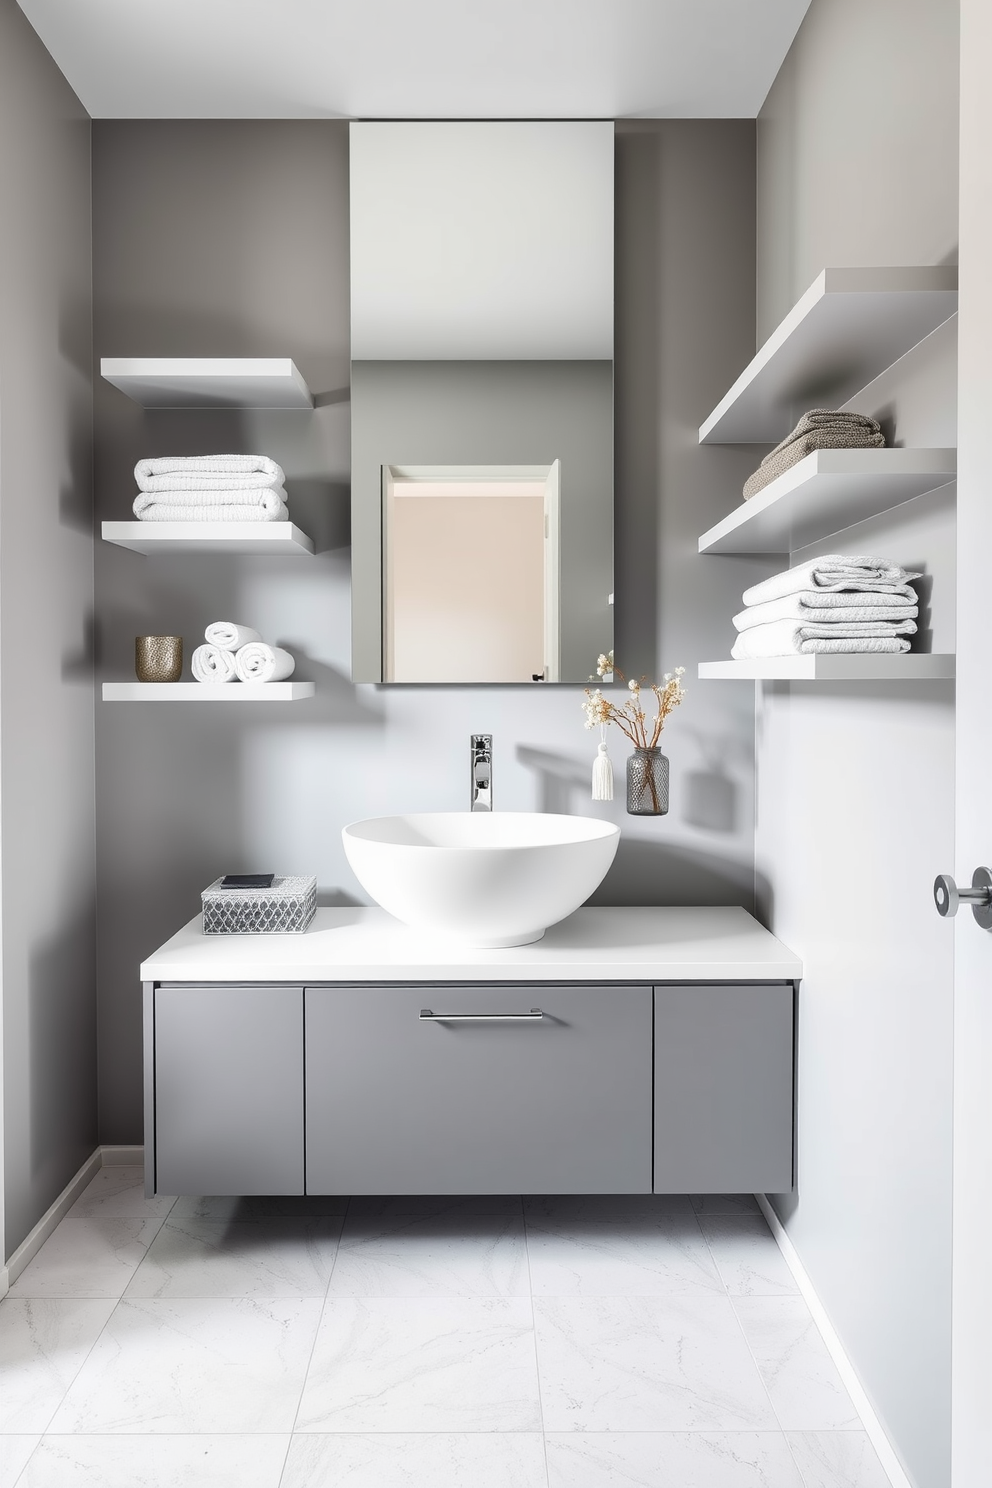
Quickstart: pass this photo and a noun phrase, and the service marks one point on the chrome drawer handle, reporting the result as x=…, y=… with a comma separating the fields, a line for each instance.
x=530, y=1017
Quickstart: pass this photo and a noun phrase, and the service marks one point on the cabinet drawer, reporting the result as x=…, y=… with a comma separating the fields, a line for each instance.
x=229, y=1090
x=402, y=1104
x=724, y=1099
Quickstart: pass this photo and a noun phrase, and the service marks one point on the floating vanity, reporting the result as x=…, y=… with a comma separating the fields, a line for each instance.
x=629, y=1051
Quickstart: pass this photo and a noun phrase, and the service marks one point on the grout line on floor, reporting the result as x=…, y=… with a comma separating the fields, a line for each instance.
x=316, y=1335
x=537, y=1359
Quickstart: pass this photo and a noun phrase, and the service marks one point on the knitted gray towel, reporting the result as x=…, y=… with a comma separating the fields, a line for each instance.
x=838, y=433
x=827, y=418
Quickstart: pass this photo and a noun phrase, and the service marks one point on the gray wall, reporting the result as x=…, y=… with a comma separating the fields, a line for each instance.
x=857, y=146
x=232, y=239
x=857, y=164
x=490, y=413
x=46, y=606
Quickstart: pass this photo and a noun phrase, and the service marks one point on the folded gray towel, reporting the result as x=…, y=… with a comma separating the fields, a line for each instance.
x=816, y=419
x=820, y=428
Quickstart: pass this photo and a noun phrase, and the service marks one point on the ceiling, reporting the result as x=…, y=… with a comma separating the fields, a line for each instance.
x=418, y=59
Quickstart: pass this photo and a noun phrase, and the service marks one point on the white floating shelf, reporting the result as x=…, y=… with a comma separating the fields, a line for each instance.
x=206, y=692
x=825, y=492
x=848, y=327
x=908, y=667
x=268, y=539
x=209, y=382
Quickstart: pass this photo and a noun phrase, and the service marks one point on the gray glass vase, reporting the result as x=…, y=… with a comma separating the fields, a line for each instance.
x=647, y=783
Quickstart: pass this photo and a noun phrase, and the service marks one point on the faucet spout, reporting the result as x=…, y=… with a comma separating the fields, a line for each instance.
x=481, y=798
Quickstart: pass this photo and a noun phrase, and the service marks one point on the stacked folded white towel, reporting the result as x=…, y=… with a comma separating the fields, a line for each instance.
x=838, y=603
x=238, y=653
x=210, y=488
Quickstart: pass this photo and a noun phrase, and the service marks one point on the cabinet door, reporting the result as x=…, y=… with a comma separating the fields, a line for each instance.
x=723, y=1089
x=402, y=1104
x=229, y=1090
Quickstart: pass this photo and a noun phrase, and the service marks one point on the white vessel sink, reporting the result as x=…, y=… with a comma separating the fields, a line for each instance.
x=481, y=878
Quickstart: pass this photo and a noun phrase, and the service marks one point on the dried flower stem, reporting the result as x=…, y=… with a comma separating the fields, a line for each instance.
x=631, y=719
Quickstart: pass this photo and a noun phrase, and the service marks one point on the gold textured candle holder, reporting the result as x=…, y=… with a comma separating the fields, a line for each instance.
x=158, y=658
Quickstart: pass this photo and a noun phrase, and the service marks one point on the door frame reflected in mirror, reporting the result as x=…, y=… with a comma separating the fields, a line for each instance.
x=413, y=600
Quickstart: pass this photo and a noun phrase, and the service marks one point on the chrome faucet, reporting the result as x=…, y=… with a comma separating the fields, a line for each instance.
x=482, y=773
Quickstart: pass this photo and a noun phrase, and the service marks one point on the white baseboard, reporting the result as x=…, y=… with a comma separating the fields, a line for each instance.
x=873, y=1426
x=29, y=1247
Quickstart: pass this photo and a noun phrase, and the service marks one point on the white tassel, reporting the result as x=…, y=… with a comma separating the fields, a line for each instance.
x=602, y=774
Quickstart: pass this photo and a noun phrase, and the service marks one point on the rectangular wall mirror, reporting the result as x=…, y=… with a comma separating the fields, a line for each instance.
x=482, y=401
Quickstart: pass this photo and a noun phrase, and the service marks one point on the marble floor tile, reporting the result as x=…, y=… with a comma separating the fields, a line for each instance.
x=635, y=1257
x=157, y=1462
x=802, y=1380
x=646, y=1364
x=422, y=1364
x=381, y=1209
x=43, y=1345
x=444, y=1256
x=180, y=1367
x=275, y=1206
x=671, y=1459
x=558, y=1209
x=14, y=1453
x=747, y=1256
x=87, y=1258
x=257, y=1258
x=725, y=1204
x=837, y=1459
x=118, y=1192
x=512, y=1459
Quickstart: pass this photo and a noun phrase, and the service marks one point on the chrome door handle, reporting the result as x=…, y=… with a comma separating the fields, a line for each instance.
x=949, y=898
x=531, y=1017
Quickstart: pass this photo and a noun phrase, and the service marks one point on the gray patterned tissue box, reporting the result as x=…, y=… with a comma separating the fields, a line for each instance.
x=285, y=908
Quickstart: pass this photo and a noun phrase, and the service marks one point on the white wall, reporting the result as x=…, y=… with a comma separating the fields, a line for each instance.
x=857, y=165
x=971, y=1366
x=47, y=912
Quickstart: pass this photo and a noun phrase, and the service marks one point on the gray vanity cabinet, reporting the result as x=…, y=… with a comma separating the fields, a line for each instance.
x=228, y=1089
x=401, y=1103
x=724, y=1088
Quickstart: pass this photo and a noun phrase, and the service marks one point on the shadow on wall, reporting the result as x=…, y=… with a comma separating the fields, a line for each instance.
x=646, y=872
x=710, y=796
x=558, y=778
x=323, y=509
x=62, y=1023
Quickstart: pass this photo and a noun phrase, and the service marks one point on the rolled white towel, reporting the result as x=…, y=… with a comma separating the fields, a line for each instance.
x=257, y=662
x=212, y=506
x=227, y=636
x=200, y=471
x=211, y=664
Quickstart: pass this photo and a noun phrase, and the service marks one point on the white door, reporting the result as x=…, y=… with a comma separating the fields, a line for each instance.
x=971, y=1377
x=552, y=574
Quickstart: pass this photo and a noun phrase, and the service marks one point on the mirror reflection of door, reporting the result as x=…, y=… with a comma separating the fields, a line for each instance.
x=471, y=573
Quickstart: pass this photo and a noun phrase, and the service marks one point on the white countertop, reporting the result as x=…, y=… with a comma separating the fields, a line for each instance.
x=593, y=945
